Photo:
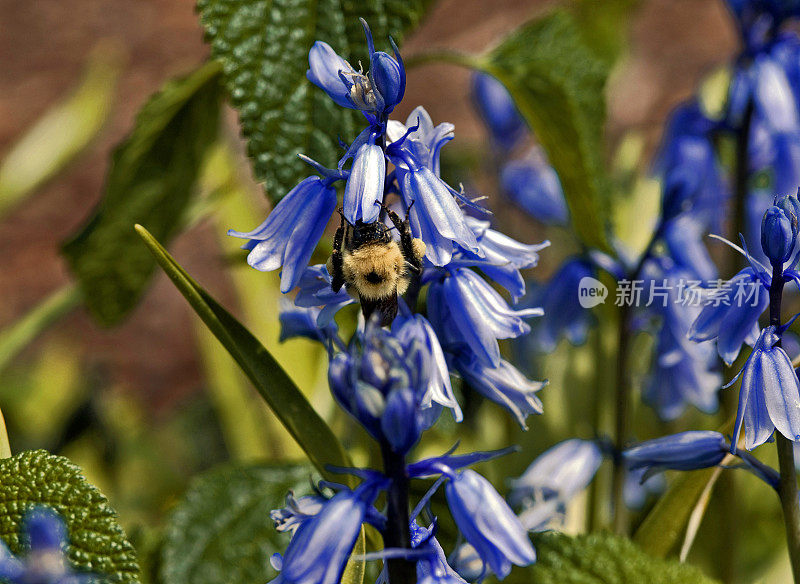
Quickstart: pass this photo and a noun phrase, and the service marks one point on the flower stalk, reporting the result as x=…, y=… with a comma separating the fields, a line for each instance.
x=787, y=487
x=397, y=534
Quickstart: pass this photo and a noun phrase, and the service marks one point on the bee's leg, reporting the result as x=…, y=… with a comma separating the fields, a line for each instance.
x=406, y=239
x=336, y=260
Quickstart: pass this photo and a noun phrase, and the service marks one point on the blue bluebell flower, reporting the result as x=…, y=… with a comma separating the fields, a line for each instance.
x=297, y=321
x=778, y=234
x=433, y=211
x=384, y=383
x=432, y=568
x=415, y=328
x=502, y=257
x=488, y=523
x=683, y=451
x=377, y=92
x=45, y=536
x=683, y=237
x=503, y=384
x=474, y=314
x=315, y=291
x=692, y=177
x=683, y=372
x=498, y=111
x=322, y=544
x=534, y=185
x=731, y=315
x=561, y=472
x=769, y=397
x=638, y=489
x=364, y=188
x=563, y=313
x=297, y=511
x=292, y=230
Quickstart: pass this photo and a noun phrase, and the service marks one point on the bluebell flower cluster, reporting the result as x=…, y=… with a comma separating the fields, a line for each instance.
x=528, y=180
x=46, y=561
x=405, y=234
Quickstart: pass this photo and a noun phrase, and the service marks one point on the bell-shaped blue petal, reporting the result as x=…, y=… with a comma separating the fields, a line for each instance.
x=504, y=384
x=778, y=235
x=769, y=397
x=415, y=327
x=488, y=523
x=435, y=216
x=298, y=321
x=774, y=98
x=326, y=71
x=481, y=315
x=425, y=142
x=563, y=313
x=683, y=237
x=291, y=232
x=498, y=110
x=399, y=420
x=731, y=316
x=296, y=512
x=563, y=471
x=364, y=189
x=534, y=185
x=683, y=451
x=321, y=546
x=44, y=530
x=314, y=290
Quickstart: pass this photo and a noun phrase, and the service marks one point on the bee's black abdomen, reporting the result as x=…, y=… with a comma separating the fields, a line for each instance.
x=386, y=307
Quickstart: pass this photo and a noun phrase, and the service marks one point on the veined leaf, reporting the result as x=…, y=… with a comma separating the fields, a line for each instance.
x=62, y=133
x=558, y=85
x=151, y=181
x=221, y=530
x=276, y=387
x=263, y=46
x=97, y=543
x=602, y=558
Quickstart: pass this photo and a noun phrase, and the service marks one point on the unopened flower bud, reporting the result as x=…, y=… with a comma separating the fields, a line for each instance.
x=389, y=79
x=778, y=234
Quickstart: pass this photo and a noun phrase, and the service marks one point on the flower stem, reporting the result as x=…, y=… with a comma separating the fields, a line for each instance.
x=397, y=534
x=787, y=487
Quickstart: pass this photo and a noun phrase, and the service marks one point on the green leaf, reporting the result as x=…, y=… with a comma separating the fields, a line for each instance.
x=665, y=526
x=602, y=558
x=264, y=44
x=605, y=31
x=275, y=386
x=150, y=182
x=97, y=543
x=558, y=85
x=19, y=334
x=355, y=570
x=221, y=530
x=62, y=133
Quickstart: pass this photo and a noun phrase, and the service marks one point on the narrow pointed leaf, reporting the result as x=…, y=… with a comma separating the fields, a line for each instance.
x=275, y=386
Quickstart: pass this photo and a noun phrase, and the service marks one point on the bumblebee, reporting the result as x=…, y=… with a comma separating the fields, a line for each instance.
x=374, y=267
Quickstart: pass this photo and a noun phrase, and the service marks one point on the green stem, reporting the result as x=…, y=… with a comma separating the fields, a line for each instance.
x=622, y=401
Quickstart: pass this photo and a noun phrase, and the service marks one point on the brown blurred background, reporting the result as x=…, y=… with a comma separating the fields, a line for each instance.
x=44, y=46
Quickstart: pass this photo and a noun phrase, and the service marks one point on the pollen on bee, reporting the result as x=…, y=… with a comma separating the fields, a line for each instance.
x=374, y=270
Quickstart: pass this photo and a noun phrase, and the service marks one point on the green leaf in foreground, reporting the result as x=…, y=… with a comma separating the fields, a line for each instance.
x=275, y=386
x=221, y=530
x=264, y=44
x=151, y=181
x=602, y=559
x=97, y=543
x=558, y=85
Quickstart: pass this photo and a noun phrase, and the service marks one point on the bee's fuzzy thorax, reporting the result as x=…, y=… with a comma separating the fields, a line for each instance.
x=375, y=270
